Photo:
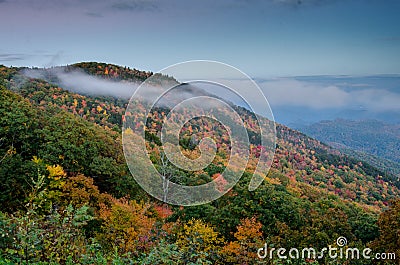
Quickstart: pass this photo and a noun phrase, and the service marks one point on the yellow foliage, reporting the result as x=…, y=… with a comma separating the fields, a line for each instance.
x=127, y=225
x=274, y=181
x=56, y=172
x=294, y=189
x=11, y=151
x=99, y=109
x=198, y=237
x=191, y=154
x=128, y=131
x=37, y=160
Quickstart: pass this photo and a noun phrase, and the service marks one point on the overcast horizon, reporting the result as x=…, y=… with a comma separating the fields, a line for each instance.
x=262, y=38
x=313, y=59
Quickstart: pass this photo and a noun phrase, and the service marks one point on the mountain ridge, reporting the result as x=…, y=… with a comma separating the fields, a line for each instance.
x=66, y=182
x=108, y=111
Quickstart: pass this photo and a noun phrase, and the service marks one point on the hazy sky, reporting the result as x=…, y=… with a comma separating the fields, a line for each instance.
x=262, y=38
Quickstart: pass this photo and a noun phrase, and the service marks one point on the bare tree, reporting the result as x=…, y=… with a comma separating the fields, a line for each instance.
x=165, y=174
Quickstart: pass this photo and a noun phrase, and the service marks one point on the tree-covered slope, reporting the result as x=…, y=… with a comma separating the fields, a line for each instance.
x=369, y=136
x=61, y=157
x=306, y=159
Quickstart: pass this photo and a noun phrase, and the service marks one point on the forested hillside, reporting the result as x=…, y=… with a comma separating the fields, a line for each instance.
x=67, y=195
x=366, y=139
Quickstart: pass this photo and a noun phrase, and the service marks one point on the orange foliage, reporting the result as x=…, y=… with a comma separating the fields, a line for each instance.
x=249, y=239
x=163, y=211
x=127, y=226
x=79, y=190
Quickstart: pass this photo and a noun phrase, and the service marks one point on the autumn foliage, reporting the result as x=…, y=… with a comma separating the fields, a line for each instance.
x=67, y=196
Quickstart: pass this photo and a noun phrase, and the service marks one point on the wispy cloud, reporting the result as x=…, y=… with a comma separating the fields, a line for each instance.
x=377, y=99
x=94, y=14
x=99, y=8
x=49, y=59
x=299, y=3
x=9, y=57
x=291, y=92
x=391, y=39
x=135, y=5
x=297, y=93
x=80, y=82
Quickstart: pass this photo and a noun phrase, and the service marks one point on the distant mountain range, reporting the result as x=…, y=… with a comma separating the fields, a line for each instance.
x=373, y=141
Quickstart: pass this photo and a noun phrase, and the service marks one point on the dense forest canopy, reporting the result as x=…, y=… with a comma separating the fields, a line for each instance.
x=67, y=195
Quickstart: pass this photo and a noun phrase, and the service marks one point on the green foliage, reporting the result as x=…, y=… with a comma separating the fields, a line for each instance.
x=389, y=228
x=54, y=237
x=163, y=253
x=36, y=236
x=58, y=138
x=17, y=142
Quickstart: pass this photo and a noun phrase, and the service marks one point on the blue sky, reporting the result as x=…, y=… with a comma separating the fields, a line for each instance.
x=262, y=38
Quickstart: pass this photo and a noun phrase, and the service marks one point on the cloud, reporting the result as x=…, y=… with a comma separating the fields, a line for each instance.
x=377, y=99
x=48, y=59
x=390, y=39
x=135, y=5
x=80, y=82
x=295, y=93
x=9, y=57
x=94, y=14
x=289, y=2
x=299, y=3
